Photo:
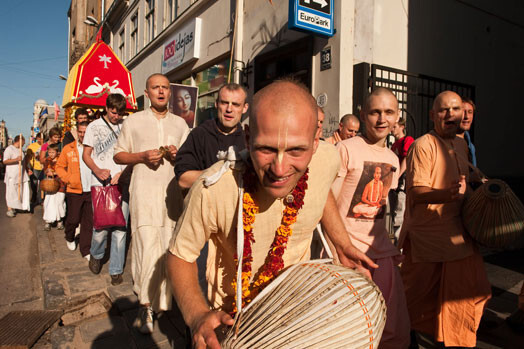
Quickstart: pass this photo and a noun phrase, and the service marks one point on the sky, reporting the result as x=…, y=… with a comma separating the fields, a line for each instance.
x=33, y=52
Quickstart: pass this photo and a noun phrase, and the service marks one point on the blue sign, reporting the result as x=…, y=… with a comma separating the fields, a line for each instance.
x=314, y=16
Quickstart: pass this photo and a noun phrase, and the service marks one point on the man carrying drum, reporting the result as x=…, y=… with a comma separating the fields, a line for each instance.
x=286, y=177
x=443, y=273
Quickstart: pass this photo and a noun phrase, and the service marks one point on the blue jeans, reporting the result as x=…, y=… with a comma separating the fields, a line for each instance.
x=117, y=255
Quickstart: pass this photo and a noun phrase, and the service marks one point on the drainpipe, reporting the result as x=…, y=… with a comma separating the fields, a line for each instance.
x=239, y=38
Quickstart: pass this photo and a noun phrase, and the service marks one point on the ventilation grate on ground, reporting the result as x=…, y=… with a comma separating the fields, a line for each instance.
x=21, y=329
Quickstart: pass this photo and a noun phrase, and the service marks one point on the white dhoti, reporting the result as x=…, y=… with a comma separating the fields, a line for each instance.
x=54, y=207
x=11, y=194
x=366, y=210
x=148, y=266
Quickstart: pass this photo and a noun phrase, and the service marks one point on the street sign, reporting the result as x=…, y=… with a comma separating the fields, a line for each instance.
x=325, y=59
x=314, y=16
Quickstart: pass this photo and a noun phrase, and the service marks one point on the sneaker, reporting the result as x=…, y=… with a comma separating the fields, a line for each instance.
x=10, y=213
x=88, y=257
x=145, y=319
x=77, y=231
x=47, y=227
x=71, y=245
x=95, y=265
x=60, y=225
x=116, y=279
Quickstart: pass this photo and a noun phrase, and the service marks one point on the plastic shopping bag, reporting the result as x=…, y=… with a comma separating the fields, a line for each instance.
x=107, y=207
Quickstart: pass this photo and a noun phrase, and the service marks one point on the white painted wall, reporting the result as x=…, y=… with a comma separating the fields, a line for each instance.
x=381, y=32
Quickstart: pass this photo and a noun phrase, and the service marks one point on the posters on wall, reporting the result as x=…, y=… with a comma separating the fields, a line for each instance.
x=183, y=102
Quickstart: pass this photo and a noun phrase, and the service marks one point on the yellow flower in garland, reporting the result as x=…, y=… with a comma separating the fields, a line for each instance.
x=274, y=262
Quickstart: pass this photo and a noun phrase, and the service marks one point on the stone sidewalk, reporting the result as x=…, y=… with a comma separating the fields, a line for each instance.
x=99, y=315
x=96, y=314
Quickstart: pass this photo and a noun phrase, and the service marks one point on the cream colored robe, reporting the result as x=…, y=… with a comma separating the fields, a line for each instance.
x=210, y=214
x=155, y=201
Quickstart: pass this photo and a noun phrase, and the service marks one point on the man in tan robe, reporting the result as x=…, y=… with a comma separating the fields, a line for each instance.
x=283, y=142
x=152, y=221
x=443, y=273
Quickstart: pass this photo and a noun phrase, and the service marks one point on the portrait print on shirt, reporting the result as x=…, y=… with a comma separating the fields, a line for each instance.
x=369, y=200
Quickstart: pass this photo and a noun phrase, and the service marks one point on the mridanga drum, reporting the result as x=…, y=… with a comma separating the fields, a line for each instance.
x=313, y=304
x=49, y=185
x=494, y=216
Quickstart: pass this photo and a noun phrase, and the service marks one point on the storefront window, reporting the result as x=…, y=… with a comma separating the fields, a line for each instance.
x=213, y=77
x=208, y=81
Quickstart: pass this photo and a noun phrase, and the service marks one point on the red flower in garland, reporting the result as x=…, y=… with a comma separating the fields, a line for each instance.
x=274, y=261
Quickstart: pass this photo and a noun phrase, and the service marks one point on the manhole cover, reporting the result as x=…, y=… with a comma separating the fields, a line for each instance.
x=21, y=329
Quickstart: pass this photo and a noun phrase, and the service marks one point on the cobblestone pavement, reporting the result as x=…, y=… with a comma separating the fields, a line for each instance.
x=97, y=314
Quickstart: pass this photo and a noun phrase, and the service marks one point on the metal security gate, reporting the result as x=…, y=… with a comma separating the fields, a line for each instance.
x=415, y=92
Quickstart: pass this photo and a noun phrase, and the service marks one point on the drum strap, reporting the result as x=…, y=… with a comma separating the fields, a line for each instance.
x=324, y=241
x=240, y=240
x=458, y=155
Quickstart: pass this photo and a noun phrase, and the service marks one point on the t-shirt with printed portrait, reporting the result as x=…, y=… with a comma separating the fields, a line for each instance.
x=367, y=173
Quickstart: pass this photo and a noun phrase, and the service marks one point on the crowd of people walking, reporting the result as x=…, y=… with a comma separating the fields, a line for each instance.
x=121, y=177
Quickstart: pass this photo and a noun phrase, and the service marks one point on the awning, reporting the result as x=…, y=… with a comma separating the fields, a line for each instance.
x=96, y=75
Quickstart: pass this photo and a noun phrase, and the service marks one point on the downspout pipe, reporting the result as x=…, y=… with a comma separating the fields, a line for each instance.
x=239, y=38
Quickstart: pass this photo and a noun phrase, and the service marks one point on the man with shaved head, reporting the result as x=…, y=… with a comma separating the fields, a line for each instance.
x=347, y=128
x=149, y=142
x=443, y=273
x=368, y=171
x=286, y=177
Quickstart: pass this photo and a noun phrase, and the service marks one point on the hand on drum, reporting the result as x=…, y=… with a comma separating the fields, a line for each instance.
x=353, y=258
x=456, y=190
x=203, y=329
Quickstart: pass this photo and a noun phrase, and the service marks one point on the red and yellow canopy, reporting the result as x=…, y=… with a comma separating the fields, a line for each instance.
x=96, y=75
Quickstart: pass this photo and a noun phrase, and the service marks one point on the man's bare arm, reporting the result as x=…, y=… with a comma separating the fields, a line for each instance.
x=102, y=174
x=334, y=227
x=12, y=161
x=192, y=304
x=148, y=157
x=187, y=178
x=427, y=195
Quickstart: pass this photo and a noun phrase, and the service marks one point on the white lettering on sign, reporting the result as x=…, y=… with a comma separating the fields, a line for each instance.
x=312, y=19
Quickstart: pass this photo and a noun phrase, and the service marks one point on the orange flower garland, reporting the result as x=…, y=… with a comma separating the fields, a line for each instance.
x=274, y=262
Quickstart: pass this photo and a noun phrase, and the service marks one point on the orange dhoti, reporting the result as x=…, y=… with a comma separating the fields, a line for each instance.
x=446, y=299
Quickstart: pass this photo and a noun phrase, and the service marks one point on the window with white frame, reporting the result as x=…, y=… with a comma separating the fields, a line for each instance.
x=134, y=34
x=122, y=45
x=169, y=12
x=150, y=20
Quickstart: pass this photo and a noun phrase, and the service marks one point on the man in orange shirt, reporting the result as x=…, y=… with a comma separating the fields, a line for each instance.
x=443, y=273
x=76, y=175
